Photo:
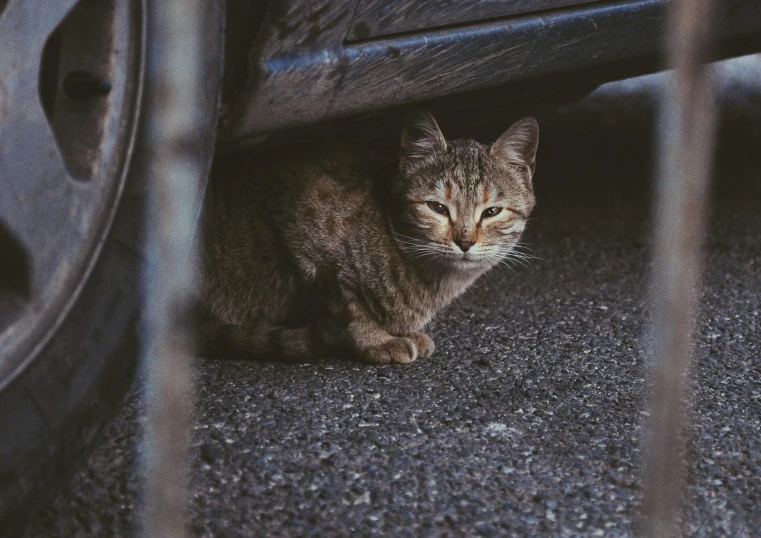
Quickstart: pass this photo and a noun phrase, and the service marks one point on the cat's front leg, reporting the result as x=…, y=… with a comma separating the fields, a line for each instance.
x=375, y=345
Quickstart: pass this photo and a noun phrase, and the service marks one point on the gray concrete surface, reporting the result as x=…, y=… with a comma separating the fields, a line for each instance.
x=528, y=419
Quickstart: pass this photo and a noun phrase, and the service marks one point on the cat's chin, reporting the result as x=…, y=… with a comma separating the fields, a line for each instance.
x=466, y=264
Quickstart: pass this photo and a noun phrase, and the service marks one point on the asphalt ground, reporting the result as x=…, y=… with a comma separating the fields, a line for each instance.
x=528, y=420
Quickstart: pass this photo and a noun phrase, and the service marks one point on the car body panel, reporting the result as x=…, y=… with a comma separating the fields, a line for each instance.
x=307, y=67
x=377, y=18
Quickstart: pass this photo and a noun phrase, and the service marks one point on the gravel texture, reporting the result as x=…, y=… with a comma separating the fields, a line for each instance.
x=527, y=421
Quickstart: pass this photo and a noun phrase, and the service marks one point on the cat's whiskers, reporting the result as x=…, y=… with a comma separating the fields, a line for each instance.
x=527, y=264
x=419, y=248
x=522, y=251
x=511, y=264
x=522, y=263
x=502, y=264
x=527, y=251
x=415, y=240
x=519, y=256
x=507, y=256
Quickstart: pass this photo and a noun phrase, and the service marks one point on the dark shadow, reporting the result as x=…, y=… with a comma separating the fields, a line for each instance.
x=15, y=273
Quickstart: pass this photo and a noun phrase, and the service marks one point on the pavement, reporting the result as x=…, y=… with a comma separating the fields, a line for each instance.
x=528, y=420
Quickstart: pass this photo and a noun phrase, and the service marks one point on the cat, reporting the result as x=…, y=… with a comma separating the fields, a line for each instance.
x=319, y=252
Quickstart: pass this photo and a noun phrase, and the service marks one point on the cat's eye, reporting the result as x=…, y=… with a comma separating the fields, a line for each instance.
x=491, y=212
x=439, y=208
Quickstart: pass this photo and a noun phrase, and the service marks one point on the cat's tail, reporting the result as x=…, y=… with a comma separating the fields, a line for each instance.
x=221, y=340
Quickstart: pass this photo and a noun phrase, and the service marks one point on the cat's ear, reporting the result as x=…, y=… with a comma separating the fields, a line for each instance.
x=421, y=139
x=518, y=145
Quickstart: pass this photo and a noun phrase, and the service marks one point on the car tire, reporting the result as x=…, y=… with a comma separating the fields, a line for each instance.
x=59, y=395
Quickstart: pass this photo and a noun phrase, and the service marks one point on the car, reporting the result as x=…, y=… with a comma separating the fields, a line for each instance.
x=73, y=150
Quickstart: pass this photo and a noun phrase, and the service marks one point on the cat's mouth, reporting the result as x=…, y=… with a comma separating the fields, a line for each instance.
x=466, y=259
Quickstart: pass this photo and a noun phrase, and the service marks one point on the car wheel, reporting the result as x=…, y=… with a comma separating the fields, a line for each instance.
x=72, y=184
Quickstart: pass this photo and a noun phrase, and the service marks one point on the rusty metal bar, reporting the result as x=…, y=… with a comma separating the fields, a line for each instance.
x=686, y=131
x=175, y=172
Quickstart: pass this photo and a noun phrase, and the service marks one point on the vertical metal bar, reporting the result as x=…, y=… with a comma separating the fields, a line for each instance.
x=175, y=172
x=686, y=131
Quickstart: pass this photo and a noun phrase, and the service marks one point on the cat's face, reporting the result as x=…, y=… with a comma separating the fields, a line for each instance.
x=465, y=204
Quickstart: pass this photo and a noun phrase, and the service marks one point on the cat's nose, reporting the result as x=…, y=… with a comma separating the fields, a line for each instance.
x=464, y=245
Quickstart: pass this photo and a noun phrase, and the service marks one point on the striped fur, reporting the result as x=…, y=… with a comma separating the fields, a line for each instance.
x=316, y=251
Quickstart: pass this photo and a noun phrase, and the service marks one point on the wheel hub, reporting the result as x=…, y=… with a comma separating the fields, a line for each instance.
x=70, y=82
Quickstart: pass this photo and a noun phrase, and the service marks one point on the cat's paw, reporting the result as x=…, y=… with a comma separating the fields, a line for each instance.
x=423, y=343
x=401, y=350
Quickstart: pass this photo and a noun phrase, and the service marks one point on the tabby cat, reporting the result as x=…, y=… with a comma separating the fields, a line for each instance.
x=320, y=253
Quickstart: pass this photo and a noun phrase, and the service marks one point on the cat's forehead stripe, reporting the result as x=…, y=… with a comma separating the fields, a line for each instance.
x=467, y=179
x=441, y=189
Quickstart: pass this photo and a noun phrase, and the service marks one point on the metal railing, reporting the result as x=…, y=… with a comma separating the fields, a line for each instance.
x=686, y=132
x=175, y=101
